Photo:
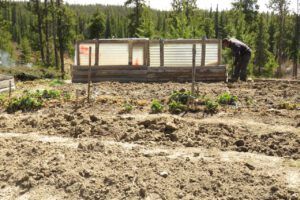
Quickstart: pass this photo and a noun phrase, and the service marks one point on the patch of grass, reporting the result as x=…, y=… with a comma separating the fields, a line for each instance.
x=56, y=82
x=177, y=107
x=227, y=99
x=156, y=106
x=288, y=106
x=211, y=107
x=3, y=99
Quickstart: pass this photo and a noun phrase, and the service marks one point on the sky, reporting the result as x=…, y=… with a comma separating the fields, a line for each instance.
x=166, y=4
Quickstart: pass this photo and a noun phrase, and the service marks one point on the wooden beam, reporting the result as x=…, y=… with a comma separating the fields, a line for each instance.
x=220, y=52
x=130, y=52
x=78, y=53
x=89, y=74
x=203, y=52
x=194, y=69
x=97, y=53
x=162, y=56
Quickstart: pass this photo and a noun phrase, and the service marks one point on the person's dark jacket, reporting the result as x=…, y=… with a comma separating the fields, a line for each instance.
x=238, y=48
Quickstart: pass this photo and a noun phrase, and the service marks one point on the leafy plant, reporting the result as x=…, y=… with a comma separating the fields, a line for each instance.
x=56, y=82
x=177, y=107
x=156, y=106
x=31, y=101
x=227, y=99
x=181, y=97
x=211, y=107
x=24, y=103
x=127, y=108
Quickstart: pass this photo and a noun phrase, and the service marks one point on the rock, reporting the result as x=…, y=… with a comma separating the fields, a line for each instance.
x=239, y=143
x=170, y=127
x=69, y=117
x=93, y=118
x=274, y=189
x=85, y=173
x=251, y=167
x=189, y=143
x=164, y=174
x=142, y=192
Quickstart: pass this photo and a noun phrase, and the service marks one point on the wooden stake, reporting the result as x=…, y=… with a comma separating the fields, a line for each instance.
x=89, y=75
x=9, y=90
x=194, y=69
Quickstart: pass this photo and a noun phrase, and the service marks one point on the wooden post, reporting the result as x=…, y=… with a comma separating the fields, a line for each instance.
x=203, y=52
x=78, y=54
x=77, y=97
x=90, y=74
x=97, y=53
x=194, y=69
x=220, y=52
x=162, y=56
x=148, y=53
x=130, y=52
x=9, y=90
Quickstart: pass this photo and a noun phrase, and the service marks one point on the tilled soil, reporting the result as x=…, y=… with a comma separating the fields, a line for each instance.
x=80, y=150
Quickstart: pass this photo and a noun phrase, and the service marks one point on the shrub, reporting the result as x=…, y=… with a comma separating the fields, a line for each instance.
x=177, y=107
x=156, y=106
x=23, y=73
x=211, y=107
x=227, y=99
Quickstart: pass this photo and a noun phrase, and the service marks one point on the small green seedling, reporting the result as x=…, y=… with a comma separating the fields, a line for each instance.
x=227, y=99
x=156, y=106
x=127, y=108
x=177, y=107
x=211, y=107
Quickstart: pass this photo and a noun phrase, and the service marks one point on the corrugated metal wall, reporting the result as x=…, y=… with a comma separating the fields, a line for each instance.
x=211, y=57
x=154, y=53
x=175, y=54
x=113, y=54
x=138, y=55
x=84, y=53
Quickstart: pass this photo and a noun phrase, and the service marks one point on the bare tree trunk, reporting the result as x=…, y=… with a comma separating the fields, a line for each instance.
x=47, y=34
x=60, y=40
x=40, y=29
x=297, y=46
x=54, y=28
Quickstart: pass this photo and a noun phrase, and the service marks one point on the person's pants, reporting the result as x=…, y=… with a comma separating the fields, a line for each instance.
x=241, y=67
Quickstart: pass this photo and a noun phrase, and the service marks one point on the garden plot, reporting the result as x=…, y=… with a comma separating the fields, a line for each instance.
x=249, y=148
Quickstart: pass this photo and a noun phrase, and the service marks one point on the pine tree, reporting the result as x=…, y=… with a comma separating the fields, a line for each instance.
x=135, y=16
x=261, y=46
x=271, y=32
x=26, y=51
x=281, y=7
x=146, y=29
x=97, y=25
x=216, y=22
x=107, y=27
